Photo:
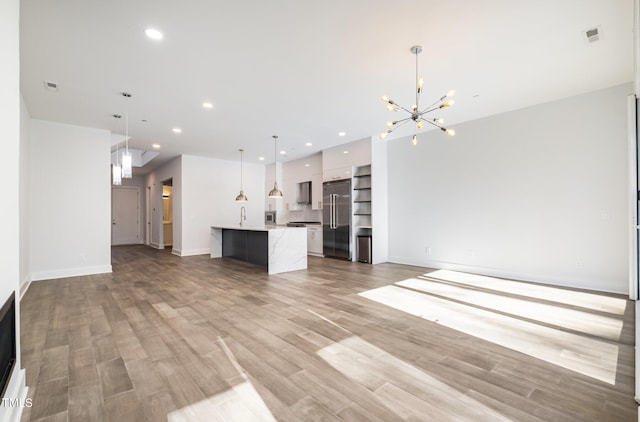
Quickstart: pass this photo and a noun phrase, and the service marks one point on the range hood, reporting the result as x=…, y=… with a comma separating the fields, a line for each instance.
x=303, y=195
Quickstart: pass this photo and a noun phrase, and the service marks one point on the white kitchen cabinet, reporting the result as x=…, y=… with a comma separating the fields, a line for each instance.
x=289, y=195
x=301, y=170
x=316, y=191
x=338, y=162
x=314, y=240
x=336, y=174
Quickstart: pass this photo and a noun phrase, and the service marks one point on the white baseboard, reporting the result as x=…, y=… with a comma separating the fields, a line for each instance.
x=24, y=286
x=156, y=246
x=495, y=272
x=70, y=272
x=191, y=252
x=17, y=394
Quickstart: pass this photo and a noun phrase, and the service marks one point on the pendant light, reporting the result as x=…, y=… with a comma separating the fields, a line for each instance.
x=127, y=171
x=117, y=169
x=275, y=192
x=241, y=196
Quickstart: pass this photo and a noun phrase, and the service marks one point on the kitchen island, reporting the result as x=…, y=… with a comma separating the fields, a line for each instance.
x=278, y=248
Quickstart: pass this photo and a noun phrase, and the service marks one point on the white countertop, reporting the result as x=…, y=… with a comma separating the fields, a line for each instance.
x=257, y=228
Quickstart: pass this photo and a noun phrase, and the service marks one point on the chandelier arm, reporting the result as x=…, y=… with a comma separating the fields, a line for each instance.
x=435, y=124
x=398, y=125
x=431, y=106
x=429, y=110
x=405, y=109
x=439, y=100
x=401, y=121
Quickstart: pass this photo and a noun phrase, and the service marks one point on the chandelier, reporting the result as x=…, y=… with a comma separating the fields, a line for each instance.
x=415, y=113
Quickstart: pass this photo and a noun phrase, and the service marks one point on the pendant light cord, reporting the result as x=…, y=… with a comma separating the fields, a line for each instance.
x=126, y=135
x=275, y=159
x=417, y=84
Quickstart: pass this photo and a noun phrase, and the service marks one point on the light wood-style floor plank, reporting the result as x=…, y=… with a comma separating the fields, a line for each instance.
x=196, y=339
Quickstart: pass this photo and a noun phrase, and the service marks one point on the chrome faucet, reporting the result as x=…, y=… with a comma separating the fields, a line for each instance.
x=243, y=215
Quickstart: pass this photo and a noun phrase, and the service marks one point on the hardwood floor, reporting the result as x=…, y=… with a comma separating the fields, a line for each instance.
x=196, y=339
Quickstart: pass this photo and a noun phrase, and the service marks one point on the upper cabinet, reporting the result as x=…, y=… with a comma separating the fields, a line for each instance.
x=338, y=162
x=300, y=171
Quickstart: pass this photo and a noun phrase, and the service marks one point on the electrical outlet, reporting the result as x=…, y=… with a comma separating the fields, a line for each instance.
x=427, y=250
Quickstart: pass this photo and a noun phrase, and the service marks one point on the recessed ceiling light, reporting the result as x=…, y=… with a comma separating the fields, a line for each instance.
x=207, y=105
x=346, y=152
x=308, y=144
x=342, y=133
x=177, y=130
x=156, y=146
x=261, y=158
x=283, y=152
x=307, y=165
x=154, y=34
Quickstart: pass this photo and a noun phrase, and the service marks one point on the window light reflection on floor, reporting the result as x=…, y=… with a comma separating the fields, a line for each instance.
x=583, y=354
x=586, y=300
x=239, y=403
x=589, y=323
x=403, y=388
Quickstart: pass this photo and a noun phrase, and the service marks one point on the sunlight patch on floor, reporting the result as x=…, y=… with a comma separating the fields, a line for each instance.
x=406, y=390
x=585, y=355
x=585, y=322
x=240, y=403
x=568, y=297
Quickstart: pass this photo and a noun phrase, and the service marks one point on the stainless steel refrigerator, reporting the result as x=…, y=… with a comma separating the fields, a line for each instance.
x=336, y=219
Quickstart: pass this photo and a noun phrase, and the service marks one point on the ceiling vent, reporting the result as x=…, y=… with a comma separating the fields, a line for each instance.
x=50, y=86
x=593, y=34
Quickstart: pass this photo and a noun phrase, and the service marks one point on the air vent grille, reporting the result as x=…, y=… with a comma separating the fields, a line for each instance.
x=50, y=86
x=593, y=34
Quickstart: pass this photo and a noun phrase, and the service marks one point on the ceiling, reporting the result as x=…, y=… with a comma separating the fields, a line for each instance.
x=305, y=70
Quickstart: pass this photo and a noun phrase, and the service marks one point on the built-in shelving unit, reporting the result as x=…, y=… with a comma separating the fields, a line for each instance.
x=362, y=224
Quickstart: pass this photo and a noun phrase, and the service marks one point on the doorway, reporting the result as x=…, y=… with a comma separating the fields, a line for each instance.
x=167, y=212
x=125, y=215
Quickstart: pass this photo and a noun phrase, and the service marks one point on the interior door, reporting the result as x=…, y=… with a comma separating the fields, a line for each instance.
x=125, y=221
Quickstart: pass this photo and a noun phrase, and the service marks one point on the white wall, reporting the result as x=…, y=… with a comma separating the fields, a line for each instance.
x=10, y=210
x=10, y=118
x=171, y=170
x=70, y=192
x=25, y=226
x=209, y=187
x=536, y=194
x=380, y=201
